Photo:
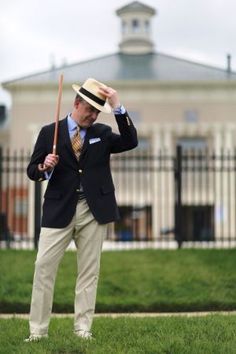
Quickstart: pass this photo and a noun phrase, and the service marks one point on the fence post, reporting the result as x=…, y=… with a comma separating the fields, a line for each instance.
x=178, y=196
x=37, y=212
x=4, y=230
x=1, y=173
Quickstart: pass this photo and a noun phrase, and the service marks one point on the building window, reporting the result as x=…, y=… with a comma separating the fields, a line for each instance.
x=135, y=25
x=147, y=26
x=198, y=223
x=144, y=144
x=21, y=206
x=3, y=114
x=191, y=116
x=124, y=27
x=136, y=117
x=135, y=223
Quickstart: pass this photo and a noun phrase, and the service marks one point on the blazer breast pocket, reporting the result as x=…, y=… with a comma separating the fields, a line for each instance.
x=94, y=141
x=96, y=148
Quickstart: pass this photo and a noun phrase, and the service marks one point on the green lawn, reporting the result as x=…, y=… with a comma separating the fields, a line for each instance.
x=214, y=334
x=142, y=280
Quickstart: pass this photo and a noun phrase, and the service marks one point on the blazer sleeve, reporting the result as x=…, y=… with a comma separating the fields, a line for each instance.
x=127, y=139
x=38, y=156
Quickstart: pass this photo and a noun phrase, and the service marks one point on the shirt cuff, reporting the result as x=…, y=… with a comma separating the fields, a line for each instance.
x=119, y=110
x=48, y=175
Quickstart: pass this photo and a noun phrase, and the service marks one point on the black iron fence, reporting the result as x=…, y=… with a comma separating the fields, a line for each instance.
x=165, y=200
x=14, y=198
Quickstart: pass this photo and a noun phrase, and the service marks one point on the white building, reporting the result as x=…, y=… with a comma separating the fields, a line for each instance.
x=172, y=101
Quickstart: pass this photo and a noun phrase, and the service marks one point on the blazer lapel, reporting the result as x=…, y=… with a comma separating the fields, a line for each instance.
x=64, y=138
x=86, y=140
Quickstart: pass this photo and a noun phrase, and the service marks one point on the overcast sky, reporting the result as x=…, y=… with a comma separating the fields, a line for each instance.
x=36, y=33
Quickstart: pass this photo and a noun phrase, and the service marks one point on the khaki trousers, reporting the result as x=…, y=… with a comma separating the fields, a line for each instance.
x=88, y=236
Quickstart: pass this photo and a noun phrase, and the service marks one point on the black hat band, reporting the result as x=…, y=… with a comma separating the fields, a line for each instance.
x=92, y=96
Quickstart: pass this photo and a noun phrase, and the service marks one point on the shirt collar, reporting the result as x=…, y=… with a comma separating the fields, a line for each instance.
x=71, y=123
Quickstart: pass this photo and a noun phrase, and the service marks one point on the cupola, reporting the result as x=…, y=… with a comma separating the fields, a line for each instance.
x=136, y=28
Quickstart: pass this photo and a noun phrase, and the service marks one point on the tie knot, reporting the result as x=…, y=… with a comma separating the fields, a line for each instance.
x=76, y=132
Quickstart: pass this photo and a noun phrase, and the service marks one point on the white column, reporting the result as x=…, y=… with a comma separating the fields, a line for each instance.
x=220, y=212
x=155, y=183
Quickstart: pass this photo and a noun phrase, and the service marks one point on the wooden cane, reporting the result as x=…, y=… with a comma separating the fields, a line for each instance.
x=43, y=167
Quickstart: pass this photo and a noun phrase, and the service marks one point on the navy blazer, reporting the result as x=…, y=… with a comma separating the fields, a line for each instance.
x=92, y=170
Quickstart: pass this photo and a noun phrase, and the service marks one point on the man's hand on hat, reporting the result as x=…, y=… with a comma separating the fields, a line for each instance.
x=111, y=95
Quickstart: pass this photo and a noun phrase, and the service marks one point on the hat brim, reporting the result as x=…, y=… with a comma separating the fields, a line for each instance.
x=105, y=109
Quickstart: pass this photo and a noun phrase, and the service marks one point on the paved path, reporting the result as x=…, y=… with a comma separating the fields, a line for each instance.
x=137, y=314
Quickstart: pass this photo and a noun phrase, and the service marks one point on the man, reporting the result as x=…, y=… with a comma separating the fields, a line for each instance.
x=79, y=200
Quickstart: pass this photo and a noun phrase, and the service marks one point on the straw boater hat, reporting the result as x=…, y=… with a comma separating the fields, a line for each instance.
x=89, y=91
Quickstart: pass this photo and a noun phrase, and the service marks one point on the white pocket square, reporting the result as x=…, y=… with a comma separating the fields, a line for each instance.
x=94, y=140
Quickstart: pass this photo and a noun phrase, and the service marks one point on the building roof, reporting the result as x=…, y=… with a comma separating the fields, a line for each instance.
x=137, y=7
x=128, y=67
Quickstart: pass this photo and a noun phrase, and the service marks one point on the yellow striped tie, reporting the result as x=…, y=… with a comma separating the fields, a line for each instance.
x=77, y=143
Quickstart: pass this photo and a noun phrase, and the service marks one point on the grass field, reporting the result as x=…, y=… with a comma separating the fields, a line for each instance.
x=131, y=281
x=214, y=334
x=147, y=280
